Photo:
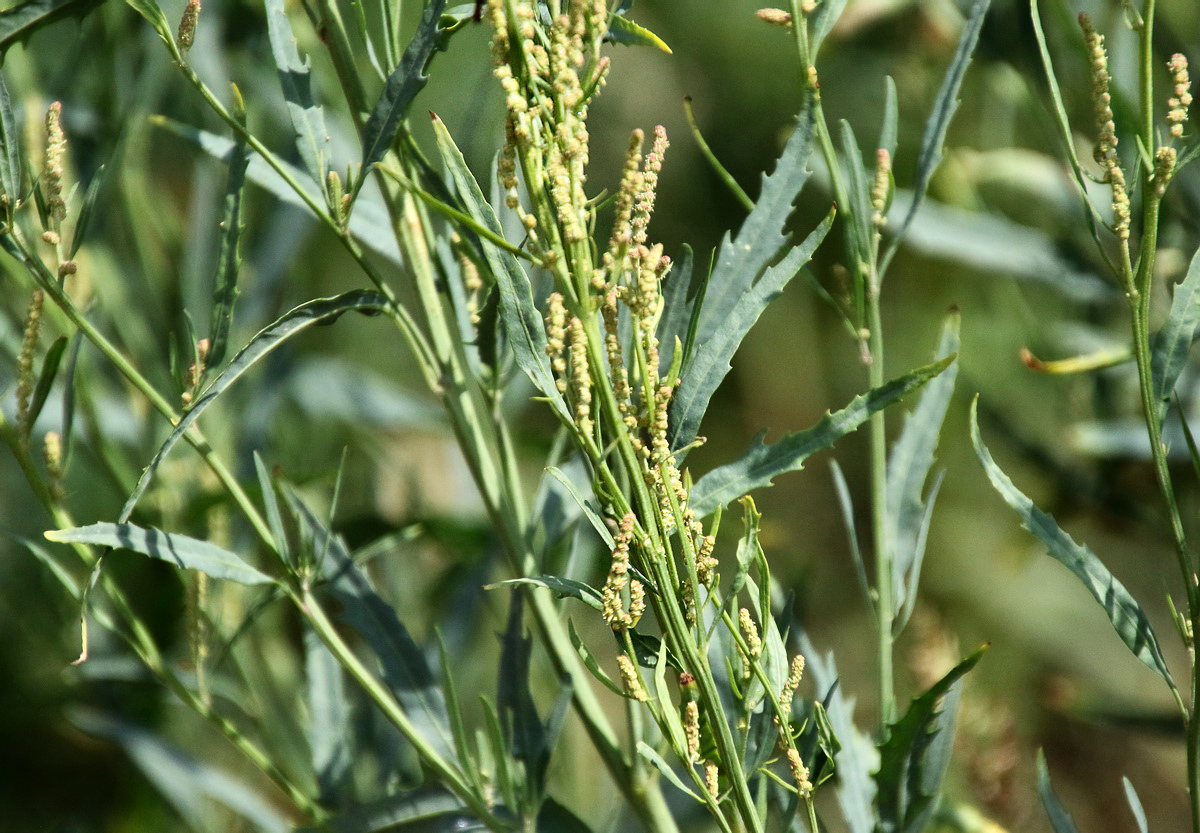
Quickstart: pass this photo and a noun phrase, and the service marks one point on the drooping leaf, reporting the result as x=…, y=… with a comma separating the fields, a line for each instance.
x=401, y=88
x=369, y=223
x=308, y=119
x=562, y=587
x=939, y=121
x=762, y=463
x=710, y=362
x=269, y=338
x=1123, y=611
x=405, y=670
x=741, y=262
x=914, y=758
x=20, y=21
x=1059, y=818
x=184, y=781
x=522, y=322
x=909, y=464
x=180, y=550
x=591, y=663
x=229, y=257
x=668, y=772
x=1172, y=344
x=588, y=510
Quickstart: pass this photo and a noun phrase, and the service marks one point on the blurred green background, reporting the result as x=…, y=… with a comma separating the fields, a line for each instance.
x=1002, y=239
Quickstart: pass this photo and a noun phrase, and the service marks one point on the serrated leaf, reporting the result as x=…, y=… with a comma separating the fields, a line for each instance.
x=562, y=587
x=624, y=31
x=665, y=768
x=185, y=782
x=22, y=20
x=939, y=120
x=45, y=380
x=308, y=119
x=229, y=257
x=522, y=323
x=914, y=758
x=369, y=223
x=1123, y=611
x=911, y=458
x=710, y=362
x=180, y=550
x=1172, y=344
x=761, y=463
x=401, y=88
x=741, y=262
x=1059, y=818
x=268, y=339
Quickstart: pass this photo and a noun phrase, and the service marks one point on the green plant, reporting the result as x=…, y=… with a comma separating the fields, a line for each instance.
x=492, y=288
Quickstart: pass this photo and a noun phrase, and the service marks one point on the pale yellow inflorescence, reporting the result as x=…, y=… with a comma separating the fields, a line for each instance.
x=1181, y=94
x=631, y=681
x=1105, y=151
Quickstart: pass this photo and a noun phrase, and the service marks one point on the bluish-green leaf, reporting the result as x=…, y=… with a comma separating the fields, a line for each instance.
x=308, y=119
x=10, y=138
x=530, y=740
x=329, y=719
x=911, y=458
x=421, y=809
x=914, y=758
x=401, y=88
x=659, y=763
x=522, y=323
x=186, y=783
x=821, y=22
x=762, y=463
x=1172, y=344
x=1135, y=805
x=1125, y=614
x=1059, y=818
x=741, y=262
x=180, y=550
x=295, y=321
x=939, y=120
x=229, y=257
x=562, y=587
x=709, y=363
x=46, y=378
x=680, y=292
x=589, y=511
x=87, y=210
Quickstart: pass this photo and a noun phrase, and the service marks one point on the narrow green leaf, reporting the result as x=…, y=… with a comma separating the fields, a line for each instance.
x=271, y=504
x=586, y=507
x=624, y=31
x=522, y=322
x=45, y=380
x=590, y=662
x=710, y=362
x=329, y=719
x=939, y=121
x=180, y=550
x=857, y=184
x=821, y=22
x=1125, y=614
x=891, y=118
x=308, y=119
x=153, y=13
x=87, y=210
x=665, y=768
x=914, y=758
x=229, y=257
x=405, y=670
x=186, y=783
x=761, y=463
x=1059, y=818
x=269, y=338
x=681, y=290
x=1135, y=805
x=530, y=742
x=909, y=464
x=10, y=138
x=847, y=507
x=1172, y=344
x=741, y=263
x=369, y=223
x=401, y=88
x=22, y=20
x=562, y=587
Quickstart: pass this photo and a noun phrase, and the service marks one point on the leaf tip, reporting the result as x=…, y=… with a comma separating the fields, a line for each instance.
x=434, y=116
